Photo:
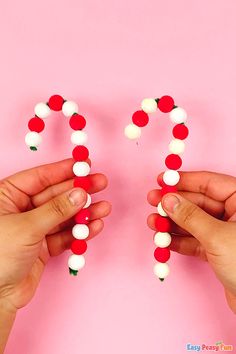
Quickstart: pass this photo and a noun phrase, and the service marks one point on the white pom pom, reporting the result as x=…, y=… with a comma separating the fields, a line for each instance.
x=178, y=115
x=89, y=201
x=81, y=168
x=79, y=137
x=149, y=105
x=33, y=139
x=171, y=177
x=76, y=262
x=42, y=110
x=162, y=239
x=80, y=231
x=160, y=210
x=176, y=146
x=161, y=270
x=132, y=131
x=69, y=108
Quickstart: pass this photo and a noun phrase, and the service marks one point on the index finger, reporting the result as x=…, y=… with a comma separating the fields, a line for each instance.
x=35, y=180
x=212, y=184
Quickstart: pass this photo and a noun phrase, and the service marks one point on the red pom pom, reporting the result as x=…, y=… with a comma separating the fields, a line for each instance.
x=140, y=118
x=168, y=189
x=180, y=131
x=80, y=153
x=82, y=182
x=79, y=246
x=166, y=104
x=162, y=224
x=82, y=217
x=77, y=122
x=55, y=102
x=173, y=162
x=162, y=254
x=36, y=124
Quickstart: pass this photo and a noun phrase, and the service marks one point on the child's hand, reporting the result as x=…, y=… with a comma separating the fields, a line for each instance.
x=204, y=215
x=36, y=210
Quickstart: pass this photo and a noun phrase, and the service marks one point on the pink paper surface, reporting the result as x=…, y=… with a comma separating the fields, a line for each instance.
x=108, y=56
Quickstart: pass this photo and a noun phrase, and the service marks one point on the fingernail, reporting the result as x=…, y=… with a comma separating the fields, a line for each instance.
x=77, y=197
x=170, y=203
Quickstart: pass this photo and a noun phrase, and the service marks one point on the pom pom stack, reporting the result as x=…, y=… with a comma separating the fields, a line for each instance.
x=81, y=168
x=171, y=176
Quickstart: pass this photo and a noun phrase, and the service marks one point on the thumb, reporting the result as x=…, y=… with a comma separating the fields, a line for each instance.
x=57, y=210
x=192, y=218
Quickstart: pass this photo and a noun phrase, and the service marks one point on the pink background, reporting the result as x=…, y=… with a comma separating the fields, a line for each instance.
x=108, y=55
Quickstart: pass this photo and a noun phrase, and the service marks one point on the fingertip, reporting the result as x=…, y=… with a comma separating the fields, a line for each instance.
x=154, y=197
x=151, y=221
x=105, y=180
x=95, y=227
x=98, y=181
x=78, y=197
x=107, y=208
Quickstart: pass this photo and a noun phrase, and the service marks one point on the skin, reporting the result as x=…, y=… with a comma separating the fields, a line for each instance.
x=204, y=223
x=36, y=219
x=36, y=216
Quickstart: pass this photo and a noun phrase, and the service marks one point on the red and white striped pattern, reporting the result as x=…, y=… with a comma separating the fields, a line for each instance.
x=171, y=176
x=81, y=167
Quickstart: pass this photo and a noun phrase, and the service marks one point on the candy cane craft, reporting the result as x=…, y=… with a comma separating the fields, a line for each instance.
x=81, y=168
x=171, y=177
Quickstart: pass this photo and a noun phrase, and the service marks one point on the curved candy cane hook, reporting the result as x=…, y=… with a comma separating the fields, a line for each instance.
x=81, y=168
x=171, y=177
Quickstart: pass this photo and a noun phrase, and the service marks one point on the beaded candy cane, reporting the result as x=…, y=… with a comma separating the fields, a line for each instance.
x=81, y=168
x=171, y=177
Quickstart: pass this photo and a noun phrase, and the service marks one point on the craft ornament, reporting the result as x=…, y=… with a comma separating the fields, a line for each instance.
x=171, y=176
x=81, y=167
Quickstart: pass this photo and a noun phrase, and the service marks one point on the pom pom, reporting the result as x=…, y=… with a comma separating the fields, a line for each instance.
x=69, y=108
x=89, y=201
x=178, y=115
x=33, y=139
x=77, y=122
x=132, y=131
x=36, y=124
x=162, y=224
x=80, y=231
x=168, y=189
x=173, y=162
x=140, y=118
x=160, y=210
x=82, y=182
x=177, y=146
x=161, y=270
x=162, y=239
x=79, y=247
x=42, y=110
x=81, y=169
x=76, y=262
x=80, y=153
x=171, y=177
x=82, y=217
x=149, y=105
x=165, y=104
x=162, y=254
x=79, y=137
x=180, y=131
x=55, y=102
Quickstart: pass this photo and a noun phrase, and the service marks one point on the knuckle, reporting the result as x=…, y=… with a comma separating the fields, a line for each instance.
x=189, y=213
x=58, y=207
x=200, y=252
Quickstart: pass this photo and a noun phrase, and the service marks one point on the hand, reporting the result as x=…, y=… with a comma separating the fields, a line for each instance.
x=36, y=210
x=204, y=215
